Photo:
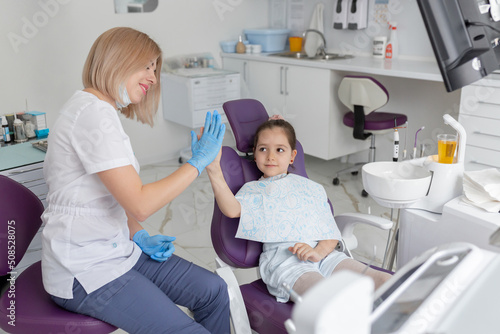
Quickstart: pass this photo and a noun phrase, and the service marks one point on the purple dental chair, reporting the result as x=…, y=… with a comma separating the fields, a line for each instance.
x=363, y=95
x=33, y=310
x=251, y=304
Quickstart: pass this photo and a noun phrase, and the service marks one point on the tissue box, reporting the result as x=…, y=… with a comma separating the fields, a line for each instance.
x=39, y=120
x=272, y=40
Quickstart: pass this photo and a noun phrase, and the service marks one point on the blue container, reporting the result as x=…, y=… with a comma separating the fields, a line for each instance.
x=272, y=40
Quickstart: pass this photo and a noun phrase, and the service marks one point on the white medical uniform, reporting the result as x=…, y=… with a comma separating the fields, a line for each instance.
x=86, y=235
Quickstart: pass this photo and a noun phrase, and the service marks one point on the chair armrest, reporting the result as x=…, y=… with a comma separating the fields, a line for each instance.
x=239, y=317
x=347, y=221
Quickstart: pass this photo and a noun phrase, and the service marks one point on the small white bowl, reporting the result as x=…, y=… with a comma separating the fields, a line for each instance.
x=396, y=184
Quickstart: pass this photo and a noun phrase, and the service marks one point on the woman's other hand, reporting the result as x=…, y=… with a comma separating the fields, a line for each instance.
x=158, y=247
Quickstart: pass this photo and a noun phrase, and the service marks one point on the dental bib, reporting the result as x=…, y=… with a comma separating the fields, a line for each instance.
x=285, y=207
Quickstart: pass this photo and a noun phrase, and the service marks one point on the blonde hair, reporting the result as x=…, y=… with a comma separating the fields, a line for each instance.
x=116, y=55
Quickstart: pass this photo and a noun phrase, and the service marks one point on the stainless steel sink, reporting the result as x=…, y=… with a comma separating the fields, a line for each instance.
x=301, y=55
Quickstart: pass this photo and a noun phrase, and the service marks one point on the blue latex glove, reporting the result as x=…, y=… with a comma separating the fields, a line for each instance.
x=206, y=149
x=158, y=247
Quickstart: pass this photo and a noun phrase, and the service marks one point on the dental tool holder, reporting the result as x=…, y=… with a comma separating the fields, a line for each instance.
x=447, y=179
x=394, y=186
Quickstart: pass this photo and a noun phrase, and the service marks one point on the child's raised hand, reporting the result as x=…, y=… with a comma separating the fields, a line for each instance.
x=305, y=252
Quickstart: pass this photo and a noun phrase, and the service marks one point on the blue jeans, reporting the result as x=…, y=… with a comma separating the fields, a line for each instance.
x=145, y=299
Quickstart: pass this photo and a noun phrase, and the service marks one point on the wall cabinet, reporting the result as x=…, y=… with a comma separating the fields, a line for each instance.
x=305, y=97
x=480, y=116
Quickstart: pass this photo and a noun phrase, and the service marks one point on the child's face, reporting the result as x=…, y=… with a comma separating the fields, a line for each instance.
x=273, y=153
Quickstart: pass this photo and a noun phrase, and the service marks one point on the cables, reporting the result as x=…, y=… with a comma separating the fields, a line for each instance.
x=481, y=24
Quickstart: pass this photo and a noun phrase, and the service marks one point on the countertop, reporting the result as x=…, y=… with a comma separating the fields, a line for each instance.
x=17, y=155
x=400, y=68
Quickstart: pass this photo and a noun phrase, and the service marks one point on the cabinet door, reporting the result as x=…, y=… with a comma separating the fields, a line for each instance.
x=266, y=83
x=241, y=66
x=308, y=94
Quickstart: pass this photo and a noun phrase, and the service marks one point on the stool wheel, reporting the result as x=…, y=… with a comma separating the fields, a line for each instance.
x=364, y=193
x=336, y=181
x=355, y=172
x=180, y=160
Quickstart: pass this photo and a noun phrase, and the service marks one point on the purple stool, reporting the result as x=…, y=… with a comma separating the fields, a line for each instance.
x=363, y=95
x=34, y=312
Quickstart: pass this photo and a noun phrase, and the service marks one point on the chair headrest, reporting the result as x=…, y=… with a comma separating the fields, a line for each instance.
x=245, y=116
x=362, y=91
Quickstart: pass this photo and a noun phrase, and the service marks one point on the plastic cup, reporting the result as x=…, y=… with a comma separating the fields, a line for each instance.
x=447, y=145
x=295, y=43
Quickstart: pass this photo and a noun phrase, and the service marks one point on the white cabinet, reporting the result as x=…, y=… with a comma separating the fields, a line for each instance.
x=31, y=176
x=480, y=116
x=305, y=97
x=186, y=100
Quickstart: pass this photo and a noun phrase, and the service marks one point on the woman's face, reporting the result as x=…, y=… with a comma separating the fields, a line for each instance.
x=273, y=153
x=139, y=83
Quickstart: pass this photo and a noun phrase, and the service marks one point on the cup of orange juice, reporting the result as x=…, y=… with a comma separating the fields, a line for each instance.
x=295, y=43
x=447, y=145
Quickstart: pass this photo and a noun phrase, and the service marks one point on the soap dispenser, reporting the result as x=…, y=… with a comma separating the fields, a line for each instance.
x=240, y=47
x=357, y=15
x=340, y=14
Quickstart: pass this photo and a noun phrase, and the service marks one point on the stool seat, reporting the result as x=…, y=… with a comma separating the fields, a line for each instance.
x=37, y=313
x=376, y=121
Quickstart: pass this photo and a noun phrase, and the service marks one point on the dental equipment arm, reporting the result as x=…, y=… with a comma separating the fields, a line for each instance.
x=347, y=221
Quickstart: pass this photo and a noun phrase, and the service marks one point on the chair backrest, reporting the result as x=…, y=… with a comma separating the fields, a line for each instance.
x=362, y=91
x=244, y=117
x=20, y=219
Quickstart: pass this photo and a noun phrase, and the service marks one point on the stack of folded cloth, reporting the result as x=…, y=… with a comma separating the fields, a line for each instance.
x=482, y=189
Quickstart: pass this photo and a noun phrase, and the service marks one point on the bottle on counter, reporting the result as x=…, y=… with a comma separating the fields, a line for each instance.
x=391, y=50
x=5, y=130
x=240, y=46
x=19, y=131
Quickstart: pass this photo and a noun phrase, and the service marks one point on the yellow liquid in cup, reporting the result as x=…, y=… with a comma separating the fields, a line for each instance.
x=295, y=44
x=446, y=151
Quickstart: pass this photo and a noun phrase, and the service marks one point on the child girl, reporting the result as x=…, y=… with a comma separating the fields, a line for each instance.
x=288, y=213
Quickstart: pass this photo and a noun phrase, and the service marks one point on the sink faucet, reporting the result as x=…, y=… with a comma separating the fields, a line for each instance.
x=322, y=48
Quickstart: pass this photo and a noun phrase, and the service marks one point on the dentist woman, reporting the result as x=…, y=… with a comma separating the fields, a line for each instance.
x=97, y=259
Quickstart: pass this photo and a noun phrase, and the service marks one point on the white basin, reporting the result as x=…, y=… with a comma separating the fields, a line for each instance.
x=396, y=184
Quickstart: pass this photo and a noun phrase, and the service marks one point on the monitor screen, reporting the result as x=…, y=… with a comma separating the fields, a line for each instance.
x=465, y=37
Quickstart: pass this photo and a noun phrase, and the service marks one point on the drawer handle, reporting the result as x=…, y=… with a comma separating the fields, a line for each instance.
x=483, y=164
x=485, y=134
x=16, y=172
x=32, y=180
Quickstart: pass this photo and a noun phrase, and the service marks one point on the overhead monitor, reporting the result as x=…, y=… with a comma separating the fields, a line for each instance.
x=465, y=37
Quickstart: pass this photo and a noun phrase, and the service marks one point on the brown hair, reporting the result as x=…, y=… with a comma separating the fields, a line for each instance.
x=114, y=57
x=277, y=123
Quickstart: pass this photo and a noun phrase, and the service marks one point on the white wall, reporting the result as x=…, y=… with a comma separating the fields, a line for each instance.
x=412, y=36
x=44, y=44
